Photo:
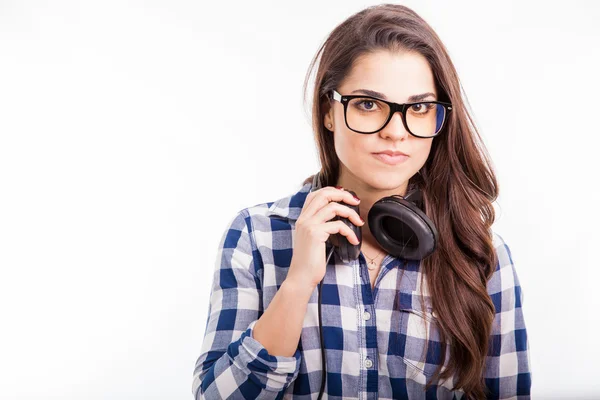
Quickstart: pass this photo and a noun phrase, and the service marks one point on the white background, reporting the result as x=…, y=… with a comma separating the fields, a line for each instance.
x=132, y=132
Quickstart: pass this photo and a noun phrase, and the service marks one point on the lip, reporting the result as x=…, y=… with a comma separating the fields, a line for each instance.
x=392, y=152
x=395, y=159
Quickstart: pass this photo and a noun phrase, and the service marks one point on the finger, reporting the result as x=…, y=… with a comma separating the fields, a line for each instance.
x=334, y=227
x=332, y=209
x=324, y=196
x=310, y=197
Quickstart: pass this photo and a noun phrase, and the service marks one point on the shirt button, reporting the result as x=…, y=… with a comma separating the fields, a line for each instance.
x=368, y=363
x=366, y=316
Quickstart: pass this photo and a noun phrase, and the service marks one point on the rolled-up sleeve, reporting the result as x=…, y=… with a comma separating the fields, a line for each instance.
x=507, y=371
x=232, y=364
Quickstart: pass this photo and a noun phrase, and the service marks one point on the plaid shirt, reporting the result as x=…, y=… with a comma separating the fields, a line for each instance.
x=373, y=349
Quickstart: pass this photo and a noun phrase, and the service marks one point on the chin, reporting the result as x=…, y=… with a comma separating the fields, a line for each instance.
x=387, y=181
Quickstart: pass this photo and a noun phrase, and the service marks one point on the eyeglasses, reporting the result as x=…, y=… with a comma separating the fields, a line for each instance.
x=366, y=114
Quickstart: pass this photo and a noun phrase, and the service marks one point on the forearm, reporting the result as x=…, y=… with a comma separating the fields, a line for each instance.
x=280, y=326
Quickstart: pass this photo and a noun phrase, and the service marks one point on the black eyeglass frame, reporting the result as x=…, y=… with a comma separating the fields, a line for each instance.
x=394, y=107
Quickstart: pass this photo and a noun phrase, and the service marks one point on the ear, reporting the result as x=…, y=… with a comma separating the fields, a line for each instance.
x=327, y=112
x=328, y=121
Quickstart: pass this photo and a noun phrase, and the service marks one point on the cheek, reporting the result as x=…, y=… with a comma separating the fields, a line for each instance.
x=338, y=119
x=422, y=151
x=344, y=145
x=349, y=146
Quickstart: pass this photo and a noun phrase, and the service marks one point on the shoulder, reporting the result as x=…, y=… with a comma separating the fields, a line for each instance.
x=264, y=218
x=284, y=209
x=504, y=282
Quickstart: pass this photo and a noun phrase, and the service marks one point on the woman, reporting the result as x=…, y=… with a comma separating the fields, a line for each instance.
x=448, y=326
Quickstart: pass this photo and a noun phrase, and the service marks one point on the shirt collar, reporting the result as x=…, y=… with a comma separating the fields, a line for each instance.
x=290, y=206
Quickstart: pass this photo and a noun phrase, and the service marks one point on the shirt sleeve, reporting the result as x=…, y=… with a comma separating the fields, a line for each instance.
x=232, y=364
x=507, y=368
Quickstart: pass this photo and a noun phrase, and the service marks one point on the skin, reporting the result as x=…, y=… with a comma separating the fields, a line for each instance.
x=398, y=76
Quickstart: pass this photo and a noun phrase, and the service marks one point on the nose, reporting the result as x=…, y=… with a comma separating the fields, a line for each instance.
x=395, y=128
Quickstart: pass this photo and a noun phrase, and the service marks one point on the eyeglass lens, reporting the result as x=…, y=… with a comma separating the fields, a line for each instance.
x=369, y=115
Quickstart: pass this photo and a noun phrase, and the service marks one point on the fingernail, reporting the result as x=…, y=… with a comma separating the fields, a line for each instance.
x=361, y=219
x=357, y=199
x=339, y=187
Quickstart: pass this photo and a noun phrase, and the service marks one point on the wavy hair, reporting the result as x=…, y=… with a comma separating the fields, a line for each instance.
x=457, y=181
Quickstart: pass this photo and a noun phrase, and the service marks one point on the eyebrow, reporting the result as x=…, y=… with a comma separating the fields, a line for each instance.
x=413, y=98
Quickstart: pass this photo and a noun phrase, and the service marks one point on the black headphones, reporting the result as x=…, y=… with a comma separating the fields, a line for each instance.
x=399, y=225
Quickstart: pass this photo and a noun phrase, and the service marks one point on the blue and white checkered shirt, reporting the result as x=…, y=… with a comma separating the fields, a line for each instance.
x=374, y=350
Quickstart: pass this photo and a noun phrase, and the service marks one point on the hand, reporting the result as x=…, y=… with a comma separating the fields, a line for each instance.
x=308, y=262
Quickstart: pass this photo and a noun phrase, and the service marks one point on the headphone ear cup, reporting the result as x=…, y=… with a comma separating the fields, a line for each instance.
x=345, y=250
x=402, y=229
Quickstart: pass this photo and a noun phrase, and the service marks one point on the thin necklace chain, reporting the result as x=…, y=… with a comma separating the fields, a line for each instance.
x=372, y=262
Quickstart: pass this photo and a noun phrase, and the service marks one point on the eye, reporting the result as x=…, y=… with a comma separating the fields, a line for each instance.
x=367, y=104
x=421, y=108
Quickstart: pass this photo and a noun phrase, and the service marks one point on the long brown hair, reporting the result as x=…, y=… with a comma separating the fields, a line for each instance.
x=457, y=181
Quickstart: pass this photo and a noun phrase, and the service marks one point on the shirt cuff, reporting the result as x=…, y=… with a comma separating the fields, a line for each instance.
x=269, y=371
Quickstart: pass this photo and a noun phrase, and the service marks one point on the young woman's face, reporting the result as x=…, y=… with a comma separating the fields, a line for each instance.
x=397, y=76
